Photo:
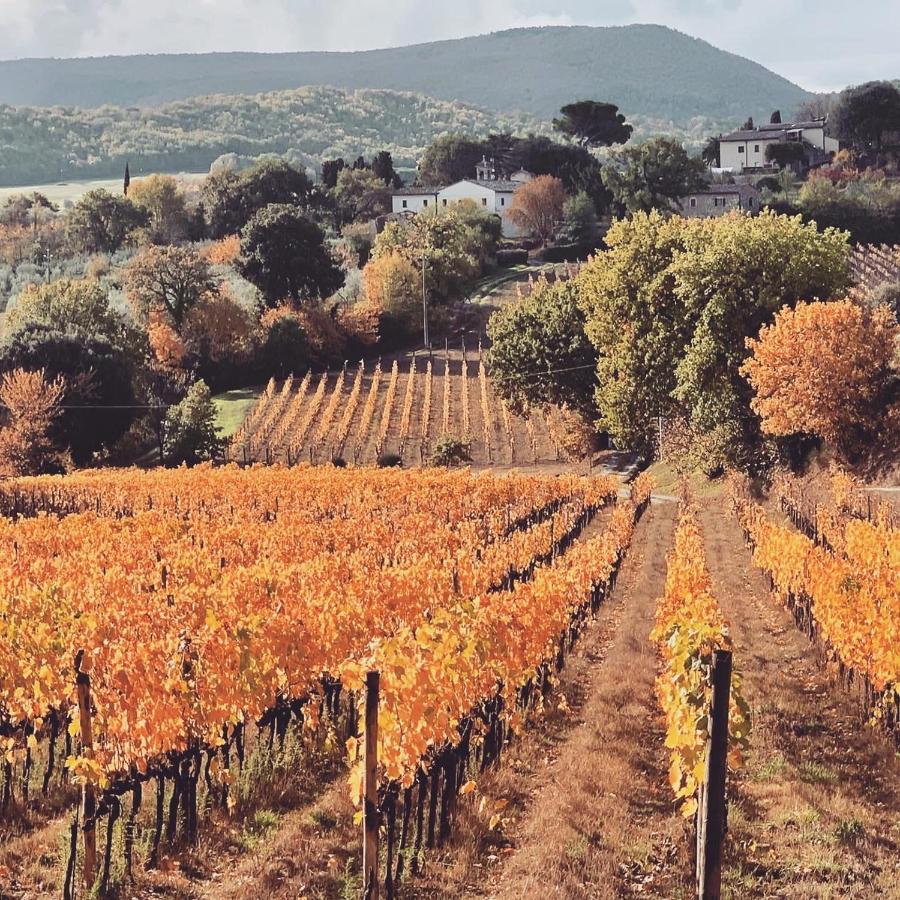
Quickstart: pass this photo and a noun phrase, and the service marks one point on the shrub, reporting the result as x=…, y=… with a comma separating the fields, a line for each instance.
x=451, y=451
x=190, y=434
x=512, y=257
x=389, y=461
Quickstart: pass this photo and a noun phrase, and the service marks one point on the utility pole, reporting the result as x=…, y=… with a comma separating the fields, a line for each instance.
x=424, y=304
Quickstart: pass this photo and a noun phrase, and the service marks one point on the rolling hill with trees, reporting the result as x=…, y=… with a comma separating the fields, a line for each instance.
x=647, y=70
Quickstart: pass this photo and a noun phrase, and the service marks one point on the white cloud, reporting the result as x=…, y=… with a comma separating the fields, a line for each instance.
x=819, y=43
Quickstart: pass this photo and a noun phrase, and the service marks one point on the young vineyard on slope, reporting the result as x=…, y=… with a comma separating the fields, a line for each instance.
x=152, y=619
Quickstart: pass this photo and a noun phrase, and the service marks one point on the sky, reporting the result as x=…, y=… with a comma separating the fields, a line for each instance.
x=820, y=44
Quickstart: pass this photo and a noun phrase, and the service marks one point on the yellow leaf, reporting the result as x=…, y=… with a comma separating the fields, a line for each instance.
x=468, y=788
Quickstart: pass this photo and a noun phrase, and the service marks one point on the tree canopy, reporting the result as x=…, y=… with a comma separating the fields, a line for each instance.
x=593, y=124
x=283, y=253
x=864, y=113
x=653, y=175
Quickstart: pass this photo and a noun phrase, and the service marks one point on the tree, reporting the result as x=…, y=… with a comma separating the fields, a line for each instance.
x=32, y=404
x=190, y=433
x=775, y=118
x=169, y=279
x=99, y=382
x=824, y=369
x=579, y=220
x=393, y=286
x=785, y=153
x=448, y=159
x=593, y=124
x=285, y=348
x=454, y=245
x=67, y=305
x=540, y=353
x=537, y=206
x=101, y=222
x=383, y=168
x=163, y=202
x=669, y=306
x=331, y=168
x=231, y=199
x=653, y=175
x=283, y=253
x=361, y=195
x=711, y=152
x=220, y=331
x=863, y=114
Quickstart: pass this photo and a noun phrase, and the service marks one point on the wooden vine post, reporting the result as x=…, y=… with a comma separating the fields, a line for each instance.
x=711, y=819
x=88, y=798
x=370, y=787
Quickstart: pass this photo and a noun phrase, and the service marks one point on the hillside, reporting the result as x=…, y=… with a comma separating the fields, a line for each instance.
x=649, y=70
x=306, y=124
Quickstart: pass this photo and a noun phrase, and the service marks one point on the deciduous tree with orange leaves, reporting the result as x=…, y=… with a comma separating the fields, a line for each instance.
x=31, y=405
x=824, y=369
x=537, y=206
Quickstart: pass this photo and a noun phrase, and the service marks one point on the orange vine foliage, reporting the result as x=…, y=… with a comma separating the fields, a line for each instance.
x=854, y=591
x=203, y=598
x=689, y=628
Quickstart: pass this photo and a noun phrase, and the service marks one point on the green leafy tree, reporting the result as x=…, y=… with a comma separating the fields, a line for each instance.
x=540, y=353
x=230, y=199
x=168, y=279
x=455, y=246
x=653, y=175
x=579, y=220
x=283, y=253
x=670, y=305
x=331, y=168
x=101, y=222
x=68, y=305
x=450, y=158
x=865, y=113
x=285, y=349
x=361, y=195
x=164, y=205
x=711, y=152
x=785, y=153
x=593, y=124
x=383, y=168
x=190, y=434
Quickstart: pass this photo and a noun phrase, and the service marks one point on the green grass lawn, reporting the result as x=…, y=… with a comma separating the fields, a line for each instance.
x=232, y=408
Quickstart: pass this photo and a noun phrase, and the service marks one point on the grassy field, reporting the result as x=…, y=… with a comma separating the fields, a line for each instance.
x=63, y=192
x=232, y=407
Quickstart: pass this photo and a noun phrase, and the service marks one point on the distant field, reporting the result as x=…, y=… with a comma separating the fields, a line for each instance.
x=69, y=191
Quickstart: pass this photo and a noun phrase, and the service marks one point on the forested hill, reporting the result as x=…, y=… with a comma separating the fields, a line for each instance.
x=648, y=70
x=305, y=125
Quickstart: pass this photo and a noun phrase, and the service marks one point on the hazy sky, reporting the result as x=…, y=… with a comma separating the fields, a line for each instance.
x=821, y=44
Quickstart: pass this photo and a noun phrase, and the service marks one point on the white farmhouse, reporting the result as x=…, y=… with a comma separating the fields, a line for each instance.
x=487, y=189
x=746, y=149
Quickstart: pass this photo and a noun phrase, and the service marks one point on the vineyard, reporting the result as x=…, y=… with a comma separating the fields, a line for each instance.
x=165, y=621
x=872, y=265
x=401, y=409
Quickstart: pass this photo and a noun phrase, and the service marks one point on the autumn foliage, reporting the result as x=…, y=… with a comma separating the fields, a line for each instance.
x=31, y=403
x=537, y=206
x=822, y=369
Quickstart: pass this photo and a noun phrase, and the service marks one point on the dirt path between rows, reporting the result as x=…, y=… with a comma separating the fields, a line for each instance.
x=816, y=813
x=590, y=814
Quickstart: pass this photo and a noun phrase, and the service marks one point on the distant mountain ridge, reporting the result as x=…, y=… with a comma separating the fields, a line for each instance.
x=648, y=70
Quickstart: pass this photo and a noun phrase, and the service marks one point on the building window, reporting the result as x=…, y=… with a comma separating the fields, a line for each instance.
x=693, y=202
x=503, y=201
x=424, y=203
x=756, y=148
x=740, y=148
x=445, y=201
x=404, y=204
x=484, y=201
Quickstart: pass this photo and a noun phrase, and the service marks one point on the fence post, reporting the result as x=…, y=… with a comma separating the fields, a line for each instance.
x=88, y=799
x=370, y=800
x=712, y=811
